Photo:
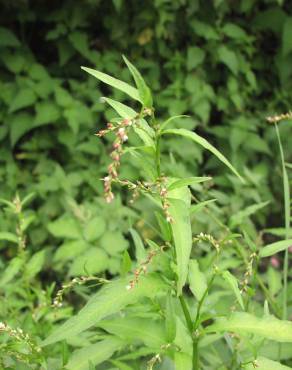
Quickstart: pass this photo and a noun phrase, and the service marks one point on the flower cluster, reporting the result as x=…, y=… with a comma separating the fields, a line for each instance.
x=248, y=273
x=121, y=133
x=143, y=267
x=58, y=300
x=280, y=117
x=19, y=336
x=207, y=238
x=161, y=184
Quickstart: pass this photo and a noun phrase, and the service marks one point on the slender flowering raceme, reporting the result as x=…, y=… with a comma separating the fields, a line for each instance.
x=279, y=117
x=121, y=133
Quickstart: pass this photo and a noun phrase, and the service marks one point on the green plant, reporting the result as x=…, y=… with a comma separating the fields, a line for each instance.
x=168, y=309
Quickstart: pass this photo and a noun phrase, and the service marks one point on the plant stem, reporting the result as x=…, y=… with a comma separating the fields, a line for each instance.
x=196, y=324
x=287, y=223
x=190, y=327
x=193, y=327
x=157, y=155
x=186, y=313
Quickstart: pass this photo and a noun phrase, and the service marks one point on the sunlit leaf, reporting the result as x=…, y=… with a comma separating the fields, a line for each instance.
x=182, y=235
x=95, y=353
x=144, y=91
x=197, y=280
x=244, y=323
x=271, y=249
x=233, y=283
x=110, y=299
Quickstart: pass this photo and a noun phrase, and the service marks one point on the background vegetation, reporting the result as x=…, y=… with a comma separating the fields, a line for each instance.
x=226, y=64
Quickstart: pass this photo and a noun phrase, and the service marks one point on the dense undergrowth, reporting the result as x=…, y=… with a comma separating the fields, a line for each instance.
x=226, y=70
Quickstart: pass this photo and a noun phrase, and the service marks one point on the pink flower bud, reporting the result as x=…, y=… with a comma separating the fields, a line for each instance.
x=275, y=262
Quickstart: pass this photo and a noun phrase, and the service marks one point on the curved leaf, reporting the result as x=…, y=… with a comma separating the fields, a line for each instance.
x=110, y=299
x=114, y=82
x=95, y=353
x=143, y=89
x=182, y=235
x=205, y=144
x=271, y=249
x=244, y=323
x=144, y=131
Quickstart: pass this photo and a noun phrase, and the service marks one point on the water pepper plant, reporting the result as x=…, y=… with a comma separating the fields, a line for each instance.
x=181, y=303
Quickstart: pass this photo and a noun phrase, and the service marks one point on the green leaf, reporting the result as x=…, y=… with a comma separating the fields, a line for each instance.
x=80, y=42
x=95, y=353
x=239, y=217
x=20, y=124
x=233, y=31
x=120, y=365
x=263, y=363
x=139, y=245
x=169, y=120
x=164, y=226
x=205, y=144
x=113, y=242
x=142, y=129
x=244, y=323
x=232, y=281
x=187, y=181
x=126, y=264
x=94, y=229
x=198, y=207
x=286, y=36
x=274, y=280
x=183, y=361
x=229, y=58
x=182, y=236
x=5, y=235
x=144, y=91
x=7, y=38
x=35, y=264
x=120, y=85
x=170, y=319
x=197, y=280
x=131, y=329
x=27, y=199
x=46, y=113
x=271, y=249
x=70, y=249
x=65, y=227
x=24, y=98
x=10, y=272
x=93, y=261
x=113, y=297
x=183, y=358
x=195, y=57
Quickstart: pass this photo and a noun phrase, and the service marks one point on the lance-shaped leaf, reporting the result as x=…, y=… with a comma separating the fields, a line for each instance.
x=110, y=299
x=231, y=280
x=187, y=181
x=205, y=144
x=197, y=280
x=271, y=249
x=144, y=91
x=94, y=354
x=182, y=235
x=141, y=128
x=244, y=323
x=114, y=82
x=151, y=332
